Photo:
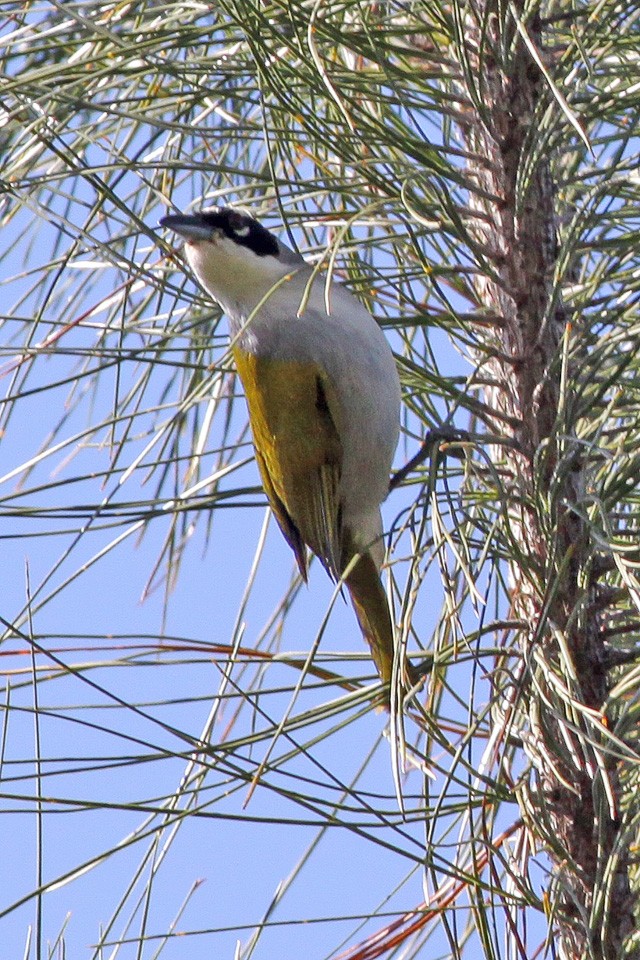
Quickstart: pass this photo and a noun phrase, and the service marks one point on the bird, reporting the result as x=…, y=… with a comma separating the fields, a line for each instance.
x=323, y=395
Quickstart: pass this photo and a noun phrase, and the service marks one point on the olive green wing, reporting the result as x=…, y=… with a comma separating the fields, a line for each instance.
x=298, y=451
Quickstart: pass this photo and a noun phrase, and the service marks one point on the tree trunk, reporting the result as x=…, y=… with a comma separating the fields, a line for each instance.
x=571, y=799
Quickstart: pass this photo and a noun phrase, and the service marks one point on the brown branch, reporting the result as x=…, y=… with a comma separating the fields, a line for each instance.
x=576, y=787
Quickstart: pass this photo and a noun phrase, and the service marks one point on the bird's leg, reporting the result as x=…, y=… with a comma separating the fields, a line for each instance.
x=434, y=437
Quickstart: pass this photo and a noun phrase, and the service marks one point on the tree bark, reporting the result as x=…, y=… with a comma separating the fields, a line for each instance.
x=571, y=798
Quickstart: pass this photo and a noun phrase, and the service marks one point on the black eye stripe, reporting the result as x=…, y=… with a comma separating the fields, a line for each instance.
x=242, y=229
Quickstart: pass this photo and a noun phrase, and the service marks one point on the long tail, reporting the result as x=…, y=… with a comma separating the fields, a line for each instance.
x=372, y=610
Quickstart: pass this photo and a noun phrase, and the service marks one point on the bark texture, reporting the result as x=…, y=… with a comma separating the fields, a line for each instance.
x=571, y=799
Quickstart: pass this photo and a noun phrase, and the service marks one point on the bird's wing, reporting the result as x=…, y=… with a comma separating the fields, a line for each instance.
x=299, y=452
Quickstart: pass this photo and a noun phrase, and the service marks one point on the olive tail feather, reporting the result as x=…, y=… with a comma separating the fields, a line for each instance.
x=372, y=610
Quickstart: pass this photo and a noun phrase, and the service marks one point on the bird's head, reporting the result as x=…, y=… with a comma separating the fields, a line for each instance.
x=235, y=258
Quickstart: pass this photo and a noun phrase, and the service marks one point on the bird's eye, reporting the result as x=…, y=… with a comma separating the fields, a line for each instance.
x=239, y=225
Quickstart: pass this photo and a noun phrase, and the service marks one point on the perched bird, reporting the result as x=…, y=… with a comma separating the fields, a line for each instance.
x=323, y=394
